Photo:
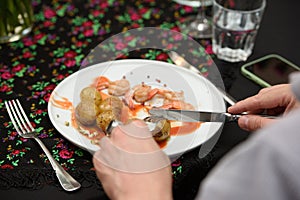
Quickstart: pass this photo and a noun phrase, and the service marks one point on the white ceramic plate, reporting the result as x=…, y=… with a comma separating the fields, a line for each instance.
x=197, y=91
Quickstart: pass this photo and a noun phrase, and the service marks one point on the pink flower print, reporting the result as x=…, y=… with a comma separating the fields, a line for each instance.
x=47, y=97
x=210, y=62
x=66, y=154
x=104, y=5
x=38, y=112
x=177, y=37
x=88, y=33
x=14, y=134
x=6, y=75
x=33, y=124
x=208, y=49
x=170, y=46
x=5, y=88
x=60, y=77
x=70, y=62
x=96, y=13
x=135, y=17
x=135, y=25
x=16, y=152
x=48, y=23
x=39, y=36
x=120, y=46
x=27, y=54
x=7, y=166
x=18, y=68
x=28, y=41
x=231, y=3
x=23, y=139
x=87, y=24
x=129, y=38
x=70, y=54
x=175, y=28
x=49, y=87
x=59, y=145
x=143, y=10
x=49, y=13
x=188, y=9
x=162, y=56
x=79, y=43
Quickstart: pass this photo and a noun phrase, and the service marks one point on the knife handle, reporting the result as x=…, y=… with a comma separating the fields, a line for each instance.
x=233, y=118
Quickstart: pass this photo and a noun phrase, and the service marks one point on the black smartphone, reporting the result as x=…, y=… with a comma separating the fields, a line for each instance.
x=269, y=70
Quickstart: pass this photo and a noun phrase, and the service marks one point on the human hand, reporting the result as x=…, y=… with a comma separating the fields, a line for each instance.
x=275, y=100
x=130, y=164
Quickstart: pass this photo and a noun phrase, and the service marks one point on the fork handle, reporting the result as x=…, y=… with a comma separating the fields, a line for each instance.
x=65, y=179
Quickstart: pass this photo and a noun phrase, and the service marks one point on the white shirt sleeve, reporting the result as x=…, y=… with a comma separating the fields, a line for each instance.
x=266, y=166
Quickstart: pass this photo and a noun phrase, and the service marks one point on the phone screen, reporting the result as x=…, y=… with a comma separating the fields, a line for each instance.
x=272, y=70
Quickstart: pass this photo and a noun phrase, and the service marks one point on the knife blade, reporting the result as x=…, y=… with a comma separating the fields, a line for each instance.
x=193, y=116
x=180, y=61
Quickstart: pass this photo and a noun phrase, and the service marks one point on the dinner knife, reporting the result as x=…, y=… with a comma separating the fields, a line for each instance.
x=180, y=61
x=196, y=116
x=193, y=116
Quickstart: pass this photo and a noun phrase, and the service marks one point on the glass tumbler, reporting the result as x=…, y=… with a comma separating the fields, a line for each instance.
x=235, y=26
x=16, y=19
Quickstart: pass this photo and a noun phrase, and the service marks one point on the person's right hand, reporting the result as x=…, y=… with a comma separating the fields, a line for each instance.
x=131, y=165
x=275, y=100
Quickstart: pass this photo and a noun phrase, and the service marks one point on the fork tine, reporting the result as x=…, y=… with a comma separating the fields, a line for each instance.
x=24, y=116
x=11, y=115
x=17, y=119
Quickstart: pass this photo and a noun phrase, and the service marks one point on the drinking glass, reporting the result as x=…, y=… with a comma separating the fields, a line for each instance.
x=199, y=26
x=16, y=19
x=235, y=26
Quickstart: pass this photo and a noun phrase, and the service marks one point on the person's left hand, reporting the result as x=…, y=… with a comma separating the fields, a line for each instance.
x=130, y=164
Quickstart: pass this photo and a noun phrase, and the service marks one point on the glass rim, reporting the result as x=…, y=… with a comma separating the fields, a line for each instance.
x=261, y=8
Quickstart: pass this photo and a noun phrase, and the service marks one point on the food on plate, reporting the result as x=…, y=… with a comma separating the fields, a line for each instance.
x=111, y=103
x=91, y=94
x=110, y=109
x=107, y=100
x=87, y=110
x=162, y=130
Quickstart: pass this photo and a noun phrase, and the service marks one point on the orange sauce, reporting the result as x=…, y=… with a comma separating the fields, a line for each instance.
x=185, y=128
x=162, y=144
x=64, y=103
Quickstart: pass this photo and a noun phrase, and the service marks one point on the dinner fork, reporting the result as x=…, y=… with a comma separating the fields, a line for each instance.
x=26, y=130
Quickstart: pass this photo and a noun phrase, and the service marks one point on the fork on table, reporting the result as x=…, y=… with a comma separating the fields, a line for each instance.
x=25, y=129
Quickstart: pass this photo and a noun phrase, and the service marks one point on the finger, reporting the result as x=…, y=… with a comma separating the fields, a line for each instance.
x=102, y=170
x=253, y=104
x=267, y=98
x=253, y=122
x=136, y=129
x=134, y=137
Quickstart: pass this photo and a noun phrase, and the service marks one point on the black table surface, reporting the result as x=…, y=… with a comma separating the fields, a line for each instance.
x=278, y=34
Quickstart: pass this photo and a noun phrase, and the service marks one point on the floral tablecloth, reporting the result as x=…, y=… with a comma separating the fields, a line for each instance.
x=64, y=32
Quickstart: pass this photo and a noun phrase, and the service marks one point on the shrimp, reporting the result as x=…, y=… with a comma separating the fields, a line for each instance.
x=102, y=83
x=172, y=95
x=142, y=93
x=115, y=88
x=119, y=87
x=176, y=104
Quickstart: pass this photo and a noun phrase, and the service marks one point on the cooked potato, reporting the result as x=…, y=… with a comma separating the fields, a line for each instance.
x=86, y=112
x=111, y=103
x=104, y=118
x=90, y=94
x=162, y=130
